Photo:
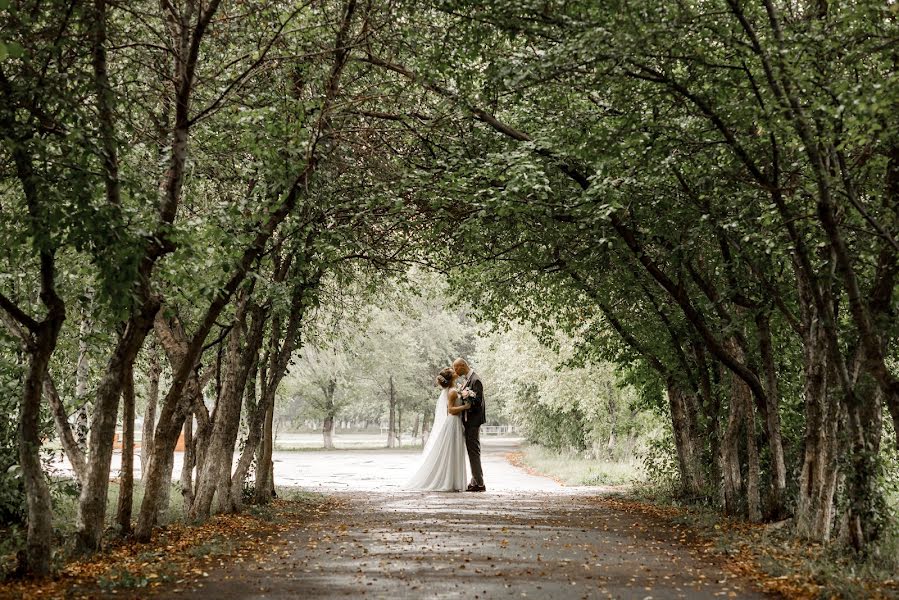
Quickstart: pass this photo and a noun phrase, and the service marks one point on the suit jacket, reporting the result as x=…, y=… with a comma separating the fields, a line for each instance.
x=477, y=414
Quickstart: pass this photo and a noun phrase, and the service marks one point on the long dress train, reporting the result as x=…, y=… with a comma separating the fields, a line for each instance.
x=442, y=466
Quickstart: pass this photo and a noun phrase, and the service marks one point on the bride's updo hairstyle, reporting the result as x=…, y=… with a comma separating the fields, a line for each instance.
x=445, y=377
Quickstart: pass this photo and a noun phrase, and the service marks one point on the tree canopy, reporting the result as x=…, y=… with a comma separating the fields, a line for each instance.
x=705, y=195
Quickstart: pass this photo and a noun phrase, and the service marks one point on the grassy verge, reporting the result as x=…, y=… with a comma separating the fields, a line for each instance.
x=180, y=553
x=572, y=469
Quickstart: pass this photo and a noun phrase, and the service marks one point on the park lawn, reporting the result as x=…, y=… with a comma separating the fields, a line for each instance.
x=573, y=469
x=180, y=552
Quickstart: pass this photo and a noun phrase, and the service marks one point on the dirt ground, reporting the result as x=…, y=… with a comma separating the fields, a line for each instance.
x=527, y=536
x=491, y=545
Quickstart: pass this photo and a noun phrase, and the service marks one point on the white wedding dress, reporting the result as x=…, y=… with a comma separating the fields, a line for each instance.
x=442, y=467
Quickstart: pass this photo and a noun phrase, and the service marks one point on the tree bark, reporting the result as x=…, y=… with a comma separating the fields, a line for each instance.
x=126, y=477
x=779, y=475
x=264, y=483
x=215, y=477
x=391, y=423
x=92, y=502
x=37, y=492
x=146, y=440
x=82, y=374
x=256, y=415
x=328, y=424
x=820, y=462
x=190, y=460
x=158, y=480
x=685, y=440
x=67, y=438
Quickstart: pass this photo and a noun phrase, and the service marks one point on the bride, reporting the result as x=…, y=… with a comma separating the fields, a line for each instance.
x=442, y=466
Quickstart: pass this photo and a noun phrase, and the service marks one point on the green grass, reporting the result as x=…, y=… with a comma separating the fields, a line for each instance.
x=572, y=469
x=65, y=505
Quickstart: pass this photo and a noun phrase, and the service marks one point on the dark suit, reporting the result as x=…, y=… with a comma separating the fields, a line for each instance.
x=472, y=419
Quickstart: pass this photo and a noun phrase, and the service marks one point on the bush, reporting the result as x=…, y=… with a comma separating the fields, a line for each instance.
x=12, y=492
x=556, y=429
x=660, y=463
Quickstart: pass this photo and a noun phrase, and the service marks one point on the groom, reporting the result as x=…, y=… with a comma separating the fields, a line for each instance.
x=473, y=418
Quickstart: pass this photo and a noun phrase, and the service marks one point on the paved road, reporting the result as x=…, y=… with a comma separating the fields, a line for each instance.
x=387, y=470
x=358, y=469
x=526, y=537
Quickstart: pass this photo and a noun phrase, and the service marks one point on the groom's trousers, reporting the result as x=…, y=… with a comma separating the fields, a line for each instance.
x=473, y=445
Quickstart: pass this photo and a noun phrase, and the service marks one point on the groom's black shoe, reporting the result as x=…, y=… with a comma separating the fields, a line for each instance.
x=473, y=487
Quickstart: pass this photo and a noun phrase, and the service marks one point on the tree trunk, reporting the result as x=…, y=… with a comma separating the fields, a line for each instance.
x=820, y=463
x=256, y=415
x=753, y=471
x=82, y=376
x=190, y=460
x=37, y=492
x=685, y=441
x=126, y=478
x=92, y=502
x=66, y=437
x=215, y=477
x=732, y=479
x=330, y=410
x=415, y=425
x=328, y=433
x=425, y=429
x=158, y=482
x=146, y=440
x=391, y=423
x=778, y=464
x=264, y=483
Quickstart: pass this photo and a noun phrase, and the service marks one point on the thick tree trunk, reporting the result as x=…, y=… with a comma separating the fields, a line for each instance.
x=732, y=479
x=37, y=492
x=146, y=440
x=158, y=480
x=685, y=440
x=753, y=470
x=126, y=478
x=158, y=483
x=866, y=501
x=818, y=475
x=215, y=477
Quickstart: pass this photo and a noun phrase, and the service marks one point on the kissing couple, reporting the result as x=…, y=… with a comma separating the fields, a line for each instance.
x=458, y=417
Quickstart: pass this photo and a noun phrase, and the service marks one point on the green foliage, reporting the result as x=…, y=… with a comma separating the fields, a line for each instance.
x=406, y=330
x=557, y=404
x=659, y=461
x=556, y=429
